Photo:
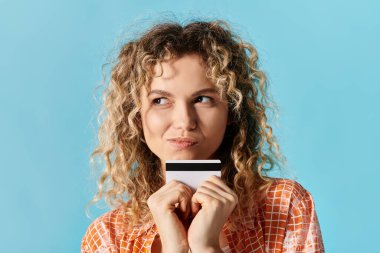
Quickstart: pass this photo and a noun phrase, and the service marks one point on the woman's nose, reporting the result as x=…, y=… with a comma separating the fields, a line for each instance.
x=184, y=117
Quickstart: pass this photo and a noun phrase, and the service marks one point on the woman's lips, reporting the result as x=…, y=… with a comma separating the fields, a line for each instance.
x=182, y=144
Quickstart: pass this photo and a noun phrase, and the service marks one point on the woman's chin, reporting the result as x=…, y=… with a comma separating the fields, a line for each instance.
x=185, y=157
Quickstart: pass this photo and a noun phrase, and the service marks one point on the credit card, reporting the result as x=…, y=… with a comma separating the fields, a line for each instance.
x=192, y=172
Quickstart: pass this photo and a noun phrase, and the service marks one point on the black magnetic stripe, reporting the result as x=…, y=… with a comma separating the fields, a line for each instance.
x=192, y=166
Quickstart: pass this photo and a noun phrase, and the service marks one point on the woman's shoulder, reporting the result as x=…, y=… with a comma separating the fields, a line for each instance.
x=285, y=186
x=104, y=229
x=286, y=194
x=290, y=214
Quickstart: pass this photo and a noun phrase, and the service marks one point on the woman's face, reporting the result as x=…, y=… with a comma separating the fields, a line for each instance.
x=178, y=106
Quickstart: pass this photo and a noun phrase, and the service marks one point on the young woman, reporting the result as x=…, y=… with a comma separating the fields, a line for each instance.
x=194, y=92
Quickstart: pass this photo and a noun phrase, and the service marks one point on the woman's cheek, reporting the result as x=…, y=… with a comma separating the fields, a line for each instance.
x=156, y=120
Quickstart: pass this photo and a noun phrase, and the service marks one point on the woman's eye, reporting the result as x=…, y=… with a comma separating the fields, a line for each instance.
x=209, y=98
x=157, y=101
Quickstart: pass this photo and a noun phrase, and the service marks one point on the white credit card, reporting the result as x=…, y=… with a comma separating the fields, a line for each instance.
x=192, y=172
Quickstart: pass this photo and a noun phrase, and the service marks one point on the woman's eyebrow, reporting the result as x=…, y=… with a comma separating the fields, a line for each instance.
x=168, y=94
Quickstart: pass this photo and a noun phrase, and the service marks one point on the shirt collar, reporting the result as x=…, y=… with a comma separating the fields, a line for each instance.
x=149, y=229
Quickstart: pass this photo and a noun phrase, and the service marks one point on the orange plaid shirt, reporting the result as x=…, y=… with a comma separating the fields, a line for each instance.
x=286, y=222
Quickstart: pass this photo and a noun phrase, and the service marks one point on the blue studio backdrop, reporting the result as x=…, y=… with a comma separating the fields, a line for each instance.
x=321, y=58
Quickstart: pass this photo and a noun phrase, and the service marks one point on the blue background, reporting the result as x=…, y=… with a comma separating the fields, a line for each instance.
x=322, y=60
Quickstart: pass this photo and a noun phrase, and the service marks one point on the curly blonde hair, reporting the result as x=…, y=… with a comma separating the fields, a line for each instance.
x=249, y=149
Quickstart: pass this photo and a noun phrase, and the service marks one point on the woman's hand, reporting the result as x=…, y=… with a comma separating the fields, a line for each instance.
x=171, y=222
x=212, y=204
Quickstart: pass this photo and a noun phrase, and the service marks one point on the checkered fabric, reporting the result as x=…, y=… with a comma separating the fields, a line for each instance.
x=286, y=222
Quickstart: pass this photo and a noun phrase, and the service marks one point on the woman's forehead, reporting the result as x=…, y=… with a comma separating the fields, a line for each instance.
x=186, y=72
